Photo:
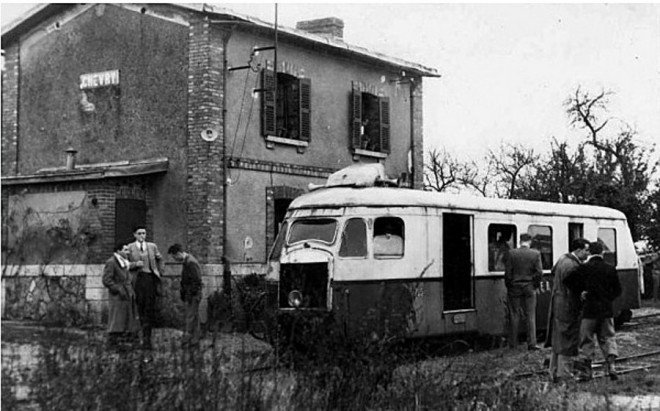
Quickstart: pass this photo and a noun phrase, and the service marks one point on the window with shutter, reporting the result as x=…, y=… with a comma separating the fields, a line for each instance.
x=305, y=109
x=370, y=123
x=356, y=116
x=384, y=124
x=267, y=102
x=286, y=114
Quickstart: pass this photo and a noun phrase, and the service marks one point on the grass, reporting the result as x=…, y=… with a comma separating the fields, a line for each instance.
x=79, y=373
x=73, y=370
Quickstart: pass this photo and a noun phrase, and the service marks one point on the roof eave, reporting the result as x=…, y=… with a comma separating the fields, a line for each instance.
x=24, y=23
x=99, y=171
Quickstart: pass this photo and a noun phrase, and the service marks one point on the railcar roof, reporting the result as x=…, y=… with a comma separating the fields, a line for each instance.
x=399, y=197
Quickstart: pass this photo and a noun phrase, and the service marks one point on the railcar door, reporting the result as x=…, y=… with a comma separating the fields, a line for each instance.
x=457, y=268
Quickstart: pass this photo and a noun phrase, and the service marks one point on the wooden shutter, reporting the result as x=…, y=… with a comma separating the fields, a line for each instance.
x=384, y=103
x=356, y=117
x=268, y=84
x=305, y=108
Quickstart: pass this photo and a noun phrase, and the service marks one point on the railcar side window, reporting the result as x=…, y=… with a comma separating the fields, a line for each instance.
x=388, y=237
x=542, y=241
x=354, y=239
x=319, y=229
x=501, y=239
x=279, y=242
x=607, y=237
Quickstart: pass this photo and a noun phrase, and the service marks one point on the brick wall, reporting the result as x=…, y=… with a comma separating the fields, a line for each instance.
x=204, y=159
x=101, y=196
x=10, y=110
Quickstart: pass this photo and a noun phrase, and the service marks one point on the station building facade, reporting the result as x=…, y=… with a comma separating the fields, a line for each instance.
x=198, y=121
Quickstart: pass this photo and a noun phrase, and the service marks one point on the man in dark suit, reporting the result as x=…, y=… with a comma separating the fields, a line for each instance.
x=598, y=284
x=146, y=264
x=191, y=293
x=522, y=277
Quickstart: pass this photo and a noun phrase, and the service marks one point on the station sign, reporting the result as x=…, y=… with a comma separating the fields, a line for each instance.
x=100, y=79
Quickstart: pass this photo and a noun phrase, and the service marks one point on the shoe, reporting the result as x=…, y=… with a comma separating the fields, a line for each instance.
x=534, y=348
x=610, y=368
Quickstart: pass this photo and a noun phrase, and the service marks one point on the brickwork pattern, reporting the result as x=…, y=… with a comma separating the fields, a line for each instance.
x=10, y=76
x=101, y=197
x=205, y=169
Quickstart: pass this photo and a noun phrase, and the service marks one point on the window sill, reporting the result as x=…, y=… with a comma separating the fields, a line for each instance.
x=358, y=152
x=272, y=140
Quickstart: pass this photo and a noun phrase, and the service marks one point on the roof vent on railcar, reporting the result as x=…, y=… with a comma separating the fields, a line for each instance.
x=358, y=175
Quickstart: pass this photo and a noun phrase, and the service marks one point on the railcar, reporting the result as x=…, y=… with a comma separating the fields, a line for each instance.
x=372, y=260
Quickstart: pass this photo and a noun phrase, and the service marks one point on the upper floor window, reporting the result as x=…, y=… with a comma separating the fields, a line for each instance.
x=370, y=122
x=501, y=239
x=388, y=237
x=354, y=239
x=542, y=241
x=290, y=116
x=607, y=237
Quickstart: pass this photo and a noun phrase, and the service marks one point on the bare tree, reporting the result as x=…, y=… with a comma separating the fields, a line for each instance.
x=621, y=170
x=443, y=171
x=511, y=163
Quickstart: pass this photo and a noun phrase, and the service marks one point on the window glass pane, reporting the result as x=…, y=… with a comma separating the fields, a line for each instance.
x=354, y=239
x=388, y=237
x=288, y=106
x=279, y=242
x=542, y=241
x=321, y=229
x=501, y=239
x=607, y=237
x=370, y=123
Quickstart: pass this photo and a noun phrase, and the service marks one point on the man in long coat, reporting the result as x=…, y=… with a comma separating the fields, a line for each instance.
x=123, y=322
x=564, y=314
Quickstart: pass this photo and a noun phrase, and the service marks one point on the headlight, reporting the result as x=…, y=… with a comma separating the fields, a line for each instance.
x=295, y=298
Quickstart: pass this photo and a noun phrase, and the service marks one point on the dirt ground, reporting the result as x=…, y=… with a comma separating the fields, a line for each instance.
x=638, y=390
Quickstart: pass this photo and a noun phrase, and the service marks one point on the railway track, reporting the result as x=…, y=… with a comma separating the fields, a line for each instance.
x=625, y=365
x=640, y=320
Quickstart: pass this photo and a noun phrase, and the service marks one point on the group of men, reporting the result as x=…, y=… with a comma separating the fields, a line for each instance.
x=581, y=312
x=133, y=277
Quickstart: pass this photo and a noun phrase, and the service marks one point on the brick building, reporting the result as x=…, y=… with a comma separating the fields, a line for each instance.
x=173, y=115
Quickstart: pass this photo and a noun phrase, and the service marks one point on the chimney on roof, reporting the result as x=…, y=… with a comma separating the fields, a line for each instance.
x=331, y=27
x=71, y=158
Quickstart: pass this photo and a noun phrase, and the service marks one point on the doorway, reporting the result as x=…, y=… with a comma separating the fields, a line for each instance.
x=457, y=268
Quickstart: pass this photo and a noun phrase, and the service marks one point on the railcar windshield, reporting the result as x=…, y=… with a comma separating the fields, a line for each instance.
x=317, y=229
x=279, y=242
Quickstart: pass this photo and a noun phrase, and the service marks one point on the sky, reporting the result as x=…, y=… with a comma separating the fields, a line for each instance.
x=506, y=68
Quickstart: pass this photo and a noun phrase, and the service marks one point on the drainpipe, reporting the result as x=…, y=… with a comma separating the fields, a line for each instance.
x=412, y=132
x=226, y=269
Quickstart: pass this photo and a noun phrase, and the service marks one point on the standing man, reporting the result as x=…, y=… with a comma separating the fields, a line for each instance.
x=146, y=263
x=598, y=284
x=191, y=293
x=564, y=313
x=123, y=318
x=522, y=277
